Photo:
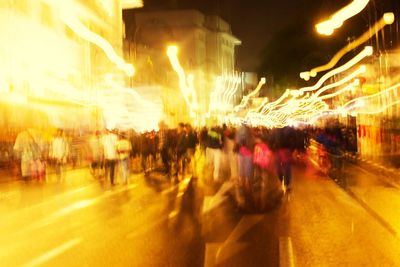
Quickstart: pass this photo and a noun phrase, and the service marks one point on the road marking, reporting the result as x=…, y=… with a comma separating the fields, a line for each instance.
x=182, y=186
x=216, y=253
x=211, y=251
x=286, y=255
x=245, y=224
x=211, y=203
x=210, y=259
x=78, y=206
x=53, y=253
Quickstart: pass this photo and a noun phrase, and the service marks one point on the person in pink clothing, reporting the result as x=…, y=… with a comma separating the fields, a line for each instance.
x=245, y=144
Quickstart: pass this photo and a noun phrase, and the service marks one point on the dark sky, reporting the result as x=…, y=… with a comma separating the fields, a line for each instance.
x=258, y=23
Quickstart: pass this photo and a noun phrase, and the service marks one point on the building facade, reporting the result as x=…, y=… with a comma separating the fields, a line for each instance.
x=55, y=55
x=206, y=50
x=377, y=126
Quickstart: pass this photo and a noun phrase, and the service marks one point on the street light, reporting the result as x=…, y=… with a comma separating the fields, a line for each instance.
x=172, y=50
x=336, y=20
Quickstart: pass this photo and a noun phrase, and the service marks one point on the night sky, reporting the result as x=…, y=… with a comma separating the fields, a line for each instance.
x=278, y=36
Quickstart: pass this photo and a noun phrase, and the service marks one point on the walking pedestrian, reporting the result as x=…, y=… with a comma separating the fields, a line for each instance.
x=28, y=149
x=245, y=146
x=182, y=145
x=123, y=150
x=110, y=154
x=283, y=156
x=97, y=154
x=59, y=152
x=213, y=151
x=164, y=147
x=192, y=141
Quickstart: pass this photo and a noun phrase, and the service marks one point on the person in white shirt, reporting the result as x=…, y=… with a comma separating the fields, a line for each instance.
x=110, y=154
x=124, y=149
x=97, y=151
x=59, y=152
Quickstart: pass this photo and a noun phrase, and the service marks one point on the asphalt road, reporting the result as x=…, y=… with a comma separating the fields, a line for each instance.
x=152, y=222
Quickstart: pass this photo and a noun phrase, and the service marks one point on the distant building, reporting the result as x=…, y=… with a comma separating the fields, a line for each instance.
x=206, y=49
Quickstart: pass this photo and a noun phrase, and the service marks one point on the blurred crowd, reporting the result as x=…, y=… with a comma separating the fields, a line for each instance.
x=257, y=160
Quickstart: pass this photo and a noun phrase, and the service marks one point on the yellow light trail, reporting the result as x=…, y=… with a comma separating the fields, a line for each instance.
x=362, y=98
x=229, y=95
x=358, y=103
x=367, y=51
x=189, y=94
x=306, y=106
x=387, y=19
x=307, y=101
x=126, y=4
x=336, y=20
x=81, y=30
x=246, y=98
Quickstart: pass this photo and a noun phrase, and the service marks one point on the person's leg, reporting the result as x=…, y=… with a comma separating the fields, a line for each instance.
x=287, y=169
x=127, y=170
x=124, y=170
x=57, y=168
x=143, y=162
x=240, y=181
x=191, y=161
x=278, y=165
x=232, y=157
x=164, y=159
x=112, y=171
x=248, y=169
x=217, y=162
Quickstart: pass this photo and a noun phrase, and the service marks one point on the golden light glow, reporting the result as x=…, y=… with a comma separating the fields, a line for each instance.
x=367, y=51
x=221, y=98
x=295, y=105
x=246, y=98
x=336, y=20
x=73, y=22
x=127, y=4
x=369, y=105
x=126, y=108
x=387, y=19
x=185, y=83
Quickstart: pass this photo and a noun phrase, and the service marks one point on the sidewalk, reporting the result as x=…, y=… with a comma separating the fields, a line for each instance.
x=327, y=227
x=378, y=192
x=390, y=172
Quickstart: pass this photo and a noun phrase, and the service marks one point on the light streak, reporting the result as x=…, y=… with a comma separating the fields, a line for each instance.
x=336, y=20
x=380, y=110
x=387, y=19
x=127, y=4
x=367, y=51
x=188, y=92
x=81, y=30
x=231, y=92
x=246, y=98
x=363, y=98
x=356, y=106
